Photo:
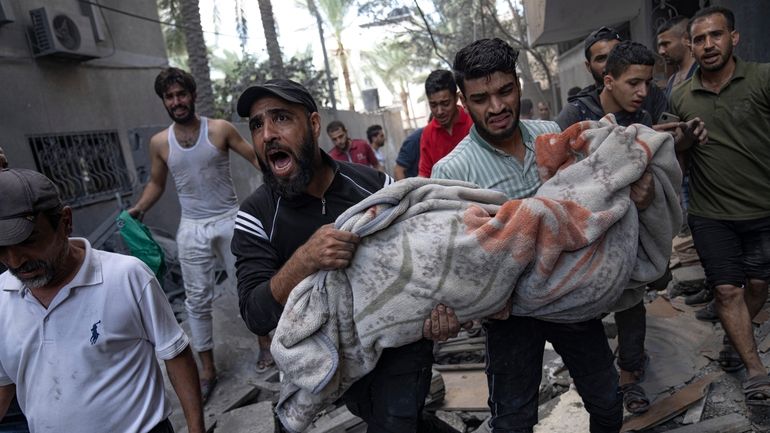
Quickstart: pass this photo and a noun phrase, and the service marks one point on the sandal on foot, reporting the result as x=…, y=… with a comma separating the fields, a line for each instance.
x=757, y=390
x=634, y=398
x=729, y=359
x=207, y=387
x=265, y=360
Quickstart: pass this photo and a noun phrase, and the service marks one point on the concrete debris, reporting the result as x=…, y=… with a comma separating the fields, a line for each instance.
x=336, y=421
x=732, y=423
x=254, y=418
x=667, y=408
x=563, y=414
x=694, y=413
x=453, y=419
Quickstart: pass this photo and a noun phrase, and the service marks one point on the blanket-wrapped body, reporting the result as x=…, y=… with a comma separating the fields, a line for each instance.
x=566, y=254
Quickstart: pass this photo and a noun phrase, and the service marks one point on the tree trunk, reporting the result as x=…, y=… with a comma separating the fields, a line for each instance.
x=345, y=74
x=329, y=80
x=271, y=38
x=198, y=58
x=405, y=103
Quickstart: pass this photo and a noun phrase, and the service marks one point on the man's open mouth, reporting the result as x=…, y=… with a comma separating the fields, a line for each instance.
x=281, y=162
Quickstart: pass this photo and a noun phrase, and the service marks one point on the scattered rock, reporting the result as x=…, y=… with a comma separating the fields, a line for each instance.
x=255, y=418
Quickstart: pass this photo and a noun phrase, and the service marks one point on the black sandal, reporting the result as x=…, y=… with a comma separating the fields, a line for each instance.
x=634, y=398
x=757, y=390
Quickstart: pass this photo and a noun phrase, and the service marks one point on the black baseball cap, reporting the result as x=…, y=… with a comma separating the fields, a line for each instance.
x=601, y=34
x=287, y=90
x=24, y=194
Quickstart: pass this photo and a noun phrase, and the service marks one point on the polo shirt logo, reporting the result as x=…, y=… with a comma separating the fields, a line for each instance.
x=95, y=332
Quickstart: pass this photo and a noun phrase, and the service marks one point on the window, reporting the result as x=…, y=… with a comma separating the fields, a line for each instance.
x=86, y=166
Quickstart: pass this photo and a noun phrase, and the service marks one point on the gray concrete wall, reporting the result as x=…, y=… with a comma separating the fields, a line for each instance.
x=751, y=18
x=115, y=92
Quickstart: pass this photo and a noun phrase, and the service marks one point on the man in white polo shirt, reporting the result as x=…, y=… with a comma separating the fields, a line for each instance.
x=81, y=327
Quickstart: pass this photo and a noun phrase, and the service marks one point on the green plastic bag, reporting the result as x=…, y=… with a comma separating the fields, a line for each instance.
x=141, y=245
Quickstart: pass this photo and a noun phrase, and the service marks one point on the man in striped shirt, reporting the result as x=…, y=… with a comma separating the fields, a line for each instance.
x=498, y=153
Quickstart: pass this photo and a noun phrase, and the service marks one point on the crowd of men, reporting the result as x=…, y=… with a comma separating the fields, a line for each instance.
x=82, y=327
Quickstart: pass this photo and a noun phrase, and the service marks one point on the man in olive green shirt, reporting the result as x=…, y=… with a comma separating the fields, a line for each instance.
x=729, y=209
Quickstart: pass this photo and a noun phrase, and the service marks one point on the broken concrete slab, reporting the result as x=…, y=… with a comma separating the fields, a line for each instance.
x=694, y=414
x=453, y=419
x=732, y=423
x=672, y=344
x=336, y=421
x=254, y=418
x=661, y=307
x=564, y=414
x=666, y=408
x=466, y=390
x=688, y=274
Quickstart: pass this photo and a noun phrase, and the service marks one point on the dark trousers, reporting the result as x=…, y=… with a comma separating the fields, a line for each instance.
x=14, y=421
x=515, y=363
x=391, y=397
x=164, y=427
x=632, y=329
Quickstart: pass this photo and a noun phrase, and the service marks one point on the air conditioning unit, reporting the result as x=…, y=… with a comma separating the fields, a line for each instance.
x=60, y=34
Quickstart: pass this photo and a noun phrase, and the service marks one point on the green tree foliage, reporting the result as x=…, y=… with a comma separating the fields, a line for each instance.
x=251, y=70
x=439, y=28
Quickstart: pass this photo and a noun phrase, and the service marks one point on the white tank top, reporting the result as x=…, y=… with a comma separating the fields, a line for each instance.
x=202, y=176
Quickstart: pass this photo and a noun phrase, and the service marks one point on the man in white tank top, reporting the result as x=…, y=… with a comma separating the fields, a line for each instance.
x=196, y=152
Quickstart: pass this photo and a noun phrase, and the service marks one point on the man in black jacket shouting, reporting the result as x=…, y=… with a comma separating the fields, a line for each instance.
x=284, y=233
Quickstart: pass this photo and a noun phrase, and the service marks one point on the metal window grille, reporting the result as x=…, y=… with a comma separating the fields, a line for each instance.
x=87, y=167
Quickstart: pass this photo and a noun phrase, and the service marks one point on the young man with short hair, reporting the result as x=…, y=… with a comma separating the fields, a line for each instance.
x=195, y=150
x=729, y=208
x=499, y=153
x=376, y=136
x=82, y=327
x=450, y=122
x=597, y=47
x=674, y=47
x=544, y=110
x=348, y=149
x=626, y=81
x=628, y=73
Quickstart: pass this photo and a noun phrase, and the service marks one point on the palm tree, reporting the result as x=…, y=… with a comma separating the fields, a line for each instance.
x=335, y=12
x=391, y=62
x=198, y=59
x=319, y=22
x=271, y=38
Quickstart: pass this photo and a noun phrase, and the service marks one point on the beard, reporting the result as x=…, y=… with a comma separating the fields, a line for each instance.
x=724, y=58
x=297, y=184
x=49, y=271
x=598, y=78
x=190, y=114
x=490, y=136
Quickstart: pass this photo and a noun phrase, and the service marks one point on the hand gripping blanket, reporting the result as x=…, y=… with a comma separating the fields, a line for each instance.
x=565, y=254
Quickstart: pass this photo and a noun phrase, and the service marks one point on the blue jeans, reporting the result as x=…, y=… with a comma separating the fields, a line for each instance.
x=515, y=363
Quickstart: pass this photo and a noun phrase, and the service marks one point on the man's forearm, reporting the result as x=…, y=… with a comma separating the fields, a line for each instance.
x=183, y=374
x=291, y=273
x=150, y=195
x=7, y=393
